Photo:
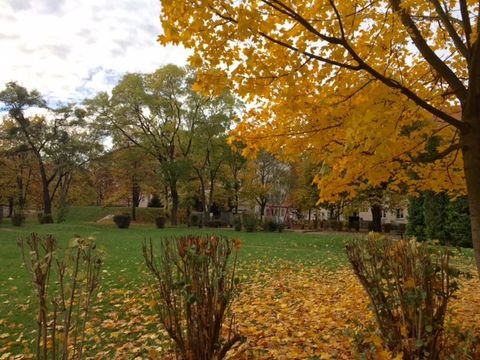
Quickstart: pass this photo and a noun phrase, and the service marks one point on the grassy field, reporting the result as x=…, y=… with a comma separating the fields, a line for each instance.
x=273, y=266
x=123, y=263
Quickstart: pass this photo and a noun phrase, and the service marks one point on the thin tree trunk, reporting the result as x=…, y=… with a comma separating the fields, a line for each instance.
x=10, y=206
x=210, y=195
x=135, y=197
x=204, y=200
x=377, y=217
x=175, y=201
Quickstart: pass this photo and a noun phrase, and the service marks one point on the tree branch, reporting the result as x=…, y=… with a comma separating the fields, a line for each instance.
x=429, y=55
x=444, y=18
x=467, y=26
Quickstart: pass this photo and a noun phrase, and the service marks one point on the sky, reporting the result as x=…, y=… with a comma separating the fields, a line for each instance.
x=70, y=50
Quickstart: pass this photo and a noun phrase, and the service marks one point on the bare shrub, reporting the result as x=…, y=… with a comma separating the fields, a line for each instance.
x=409, y=285
x=194, y=289
x=64, y=288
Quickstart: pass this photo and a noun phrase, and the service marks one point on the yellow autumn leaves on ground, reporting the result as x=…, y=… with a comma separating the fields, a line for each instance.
x=285, y=311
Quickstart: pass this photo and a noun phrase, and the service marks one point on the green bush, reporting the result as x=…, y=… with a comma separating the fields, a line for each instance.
x=249, y=222
x=280, y=227
x=122, y=221
x=409, y=284
x=18, y=219
x=45, y=218
x=196, y=219
x=144, y=215
x=160, y=222
x=269, y=224
x=237, y=223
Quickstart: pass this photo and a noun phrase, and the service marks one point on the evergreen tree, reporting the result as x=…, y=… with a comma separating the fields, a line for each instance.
x=458, y=223
x=416, y=218
x=435, y=213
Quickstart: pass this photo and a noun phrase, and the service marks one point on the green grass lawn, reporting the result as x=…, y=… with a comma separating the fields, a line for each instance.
x=123, y=262
x=123, y=266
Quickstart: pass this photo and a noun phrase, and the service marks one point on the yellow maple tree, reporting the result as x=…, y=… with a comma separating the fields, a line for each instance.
x=367, y=86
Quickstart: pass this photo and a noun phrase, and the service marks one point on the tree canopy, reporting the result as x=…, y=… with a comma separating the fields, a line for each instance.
x=366, y=85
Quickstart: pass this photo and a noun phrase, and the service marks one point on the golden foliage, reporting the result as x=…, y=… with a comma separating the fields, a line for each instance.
x=296, y=64
x=285, y=311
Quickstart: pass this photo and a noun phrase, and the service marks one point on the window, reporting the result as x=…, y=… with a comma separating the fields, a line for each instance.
x=399, y=213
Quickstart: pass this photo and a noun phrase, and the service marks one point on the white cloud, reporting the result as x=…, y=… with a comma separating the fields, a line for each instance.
x=70, y=49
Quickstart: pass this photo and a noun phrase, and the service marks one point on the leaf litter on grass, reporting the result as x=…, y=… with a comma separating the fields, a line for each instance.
x=285, y=311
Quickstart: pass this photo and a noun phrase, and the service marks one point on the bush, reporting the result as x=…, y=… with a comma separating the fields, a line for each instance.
x=18, y=219
x=409, y=284
x=196, y=219
x=144, y=215
x=280, y=227
x=154, y=202
x=370, y=226
x=269, y=224
x=249, y=222
x=195, y=287
x=45, y=218
x=340, y=225
x=215, y=223
x=122, y=221
x=387, y=228
x=160, y=222
x=237, y=223
x=64, y=289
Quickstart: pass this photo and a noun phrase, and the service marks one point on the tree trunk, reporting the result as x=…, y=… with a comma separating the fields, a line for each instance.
x=470, y=140
x=210, y=195
x=21, y=198
x=205, y=207
x=135, y=197
x=263, y=205
x=377, y=217
x=175, y=202
x=10, y=206
x=47, y=204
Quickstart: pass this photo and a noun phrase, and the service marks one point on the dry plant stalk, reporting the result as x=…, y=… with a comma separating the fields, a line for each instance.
x=64, y=289
x=195, y=287
x=409, y=285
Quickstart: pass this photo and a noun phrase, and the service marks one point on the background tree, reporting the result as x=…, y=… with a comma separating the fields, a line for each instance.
x=266, y=181
x=159, y=113
x=57, y=139
x=210, y=149
x=422, y=59
x=305, y=194
x=438, y=217
x=17, y=171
